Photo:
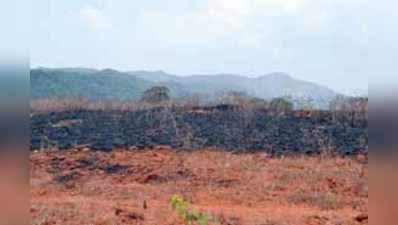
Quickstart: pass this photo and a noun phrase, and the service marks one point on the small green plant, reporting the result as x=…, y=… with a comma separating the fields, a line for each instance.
x=189, y=215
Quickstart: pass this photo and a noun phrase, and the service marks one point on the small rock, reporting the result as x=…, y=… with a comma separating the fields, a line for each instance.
x=361, y=218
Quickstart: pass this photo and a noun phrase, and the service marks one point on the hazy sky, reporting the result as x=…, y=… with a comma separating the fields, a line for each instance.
x=338, y=43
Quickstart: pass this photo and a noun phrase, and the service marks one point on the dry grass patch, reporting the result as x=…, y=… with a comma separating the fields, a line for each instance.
x=323, y=201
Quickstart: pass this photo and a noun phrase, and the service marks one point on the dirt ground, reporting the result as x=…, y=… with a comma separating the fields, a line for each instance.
x=82, y=187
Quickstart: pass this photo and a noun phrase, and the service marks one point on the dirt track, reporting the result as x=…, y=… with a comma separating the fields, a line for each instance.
x=82, y=187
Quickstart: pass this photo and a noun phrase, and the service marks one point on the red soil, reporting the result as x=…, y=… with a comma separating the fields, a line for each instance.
x=82, y=187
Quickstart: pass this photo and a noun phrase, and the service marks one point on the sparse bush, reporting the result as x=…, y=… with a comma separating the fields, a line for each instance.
x=323, y=201
x=347, y=104
x=59, y=104
x=156, y=94
x=190, y=216
x=243, y=100
x=281, y=105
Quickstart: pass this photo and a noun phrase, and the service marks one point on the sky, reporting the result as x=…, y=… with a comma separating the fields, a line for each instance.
x=336, y=43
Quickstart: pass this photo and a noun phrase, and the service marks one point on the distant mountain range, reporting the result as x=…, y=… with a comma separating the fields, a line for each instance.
x=111, y=84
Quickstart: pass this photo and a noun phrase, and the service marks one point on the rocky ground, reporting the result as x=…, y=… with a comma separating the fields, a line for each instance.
x=84, y=187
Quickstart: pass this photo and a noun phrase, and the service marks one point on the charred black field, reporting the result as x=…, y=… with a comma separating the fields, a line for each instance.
x=228, y=127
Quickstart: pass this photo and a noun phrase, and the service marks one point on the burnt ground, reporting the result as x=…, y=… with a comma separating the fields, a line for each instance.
x=229, y=128
x=84, y=187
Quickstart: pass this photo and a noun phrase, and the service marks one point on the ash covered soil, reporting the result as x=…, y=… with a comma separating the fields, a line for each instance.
x=225, y=127
x=84, y=187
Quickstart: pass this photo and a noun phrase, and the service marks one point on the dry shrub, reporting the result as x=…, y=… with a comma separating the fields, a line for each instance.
x=59, y=104
x=323, y=201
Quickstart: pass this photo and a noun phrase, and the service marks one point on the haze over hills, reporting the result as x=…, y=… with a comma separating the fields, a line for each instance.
x=111, y=84
x=92, y=84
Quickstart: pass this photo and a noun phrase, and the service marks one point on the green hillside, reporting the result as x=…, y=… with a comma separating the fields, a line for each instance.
x=96, y=85
x=111, y=84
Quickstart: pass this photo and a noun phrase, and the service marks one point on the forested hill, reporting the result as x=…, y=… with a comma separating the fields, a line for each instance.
x=111, y=84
